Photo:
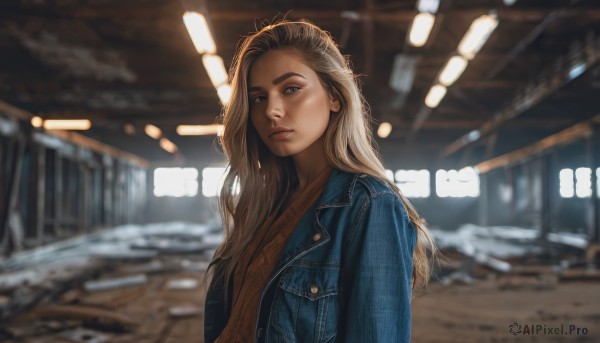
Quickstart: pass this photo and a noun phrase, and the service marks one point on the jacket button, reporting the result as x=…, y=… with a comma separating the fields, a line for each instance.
x=260, y=332
x=314, y=289
x=316, y=237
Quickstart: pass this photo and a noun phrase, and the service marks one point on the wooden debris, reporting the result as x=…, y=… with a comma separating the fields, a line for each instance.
x=126, y=255
x=182, y=284
x=70, y=296
x=87, y=336
x=185, y=311
x=86, y=313
x=579, y=275
x=533, y=270
x=516, y=282
x=200, y=266
x=113, y=299
x=591, y=252
x=103, y=285
x=154, y=266
x=172, y=246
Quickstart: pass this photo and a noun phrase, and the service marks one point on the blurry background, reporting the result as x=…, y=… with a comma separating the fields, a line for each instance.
x=486, y=116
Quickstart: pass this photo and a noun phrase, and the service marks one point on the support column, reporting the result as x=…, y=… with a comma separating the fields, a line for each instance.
x=594, y=148
x=546, y=213
x=58, y=195
x=83, y=201
x=37, y=192
x=484, y=201
x=10, y=220
x=107, y=185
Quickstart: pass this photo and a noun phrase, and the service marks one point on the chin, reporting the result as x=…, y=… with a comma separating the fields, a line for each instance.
x=283, y=151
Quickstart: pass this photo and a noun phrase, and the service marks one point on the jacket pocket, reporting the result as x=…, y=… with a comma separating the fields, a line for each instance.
x=306, y=305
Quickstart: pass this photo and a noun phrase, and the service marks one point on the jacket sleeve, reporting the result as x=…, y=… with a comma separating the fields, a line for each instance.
x=378, y=273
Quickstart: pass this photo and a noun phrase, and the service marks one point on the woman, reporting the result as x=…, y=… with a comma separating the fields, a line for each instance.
x=319, y=245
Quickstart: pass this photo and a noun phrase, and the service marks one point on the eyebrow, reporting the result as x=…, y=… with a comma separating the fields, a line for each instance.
x=277, y=80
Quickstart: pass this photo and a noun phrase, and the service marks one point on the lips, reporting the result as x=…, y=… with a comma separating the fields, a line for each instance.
x=278, y=130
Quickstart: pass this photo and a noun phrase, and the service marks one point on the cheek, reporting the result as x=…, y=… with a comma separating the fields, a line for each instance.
x=254, y=122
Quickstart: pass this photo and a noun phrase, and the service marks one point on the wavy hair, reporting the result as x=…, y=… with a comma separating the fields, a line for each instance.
x=257, y=181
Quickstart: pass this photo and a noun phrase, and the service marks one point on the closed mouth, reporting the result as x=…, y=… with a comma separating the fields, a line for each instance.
x=276, y=132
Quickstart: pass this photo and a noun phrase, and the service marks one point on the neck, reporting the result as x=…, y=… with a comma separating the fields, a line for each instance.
x=310, y=163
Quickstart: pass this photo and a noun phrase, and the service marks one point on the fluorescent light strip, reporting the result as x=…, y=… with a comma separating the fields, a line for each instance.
x=453, y=70
x=477, y=35
x=435, y=95
x=215, y=68
x=153, y=131
x=224, y=92
x=199, y=32
x=420, y=29
x=167, y=145
x=199, y=130
x=67, y=124
x=429, y=6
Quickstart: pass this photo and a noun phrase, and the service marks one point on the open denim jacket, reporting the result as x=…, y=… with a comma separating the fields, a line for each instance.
x=345, y=274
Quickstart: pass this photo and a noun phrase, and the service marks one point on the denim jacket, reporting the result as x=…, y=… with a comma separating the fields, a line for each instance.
x=345, y=274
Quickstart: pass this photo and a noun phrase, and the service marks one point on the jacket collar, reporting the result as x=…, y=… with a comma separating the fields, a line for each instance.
x=338, y=191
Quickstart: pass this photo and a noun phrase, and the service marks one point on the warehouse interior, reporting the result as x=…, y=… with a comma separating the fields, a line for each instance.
x=108, y=220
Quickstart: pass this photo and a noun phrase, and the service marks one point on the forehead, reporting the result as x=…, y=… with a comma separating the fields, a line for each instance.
x=277, y=62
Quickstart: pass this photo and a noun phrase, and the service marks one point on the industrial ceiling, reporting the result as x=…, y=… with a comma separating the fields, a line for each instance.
x=133, y=62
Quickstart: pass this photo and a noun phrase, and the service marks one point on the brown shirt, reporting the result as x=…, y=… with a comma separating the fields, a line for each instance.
x=258, y=260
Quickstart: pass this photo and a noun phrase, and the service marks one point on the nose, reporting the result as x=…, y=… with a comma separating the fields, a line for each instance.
x=274, y=108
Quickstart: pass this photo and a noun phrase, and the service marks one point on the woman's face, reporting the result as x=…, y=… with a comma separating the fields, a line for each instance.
x=289, y=107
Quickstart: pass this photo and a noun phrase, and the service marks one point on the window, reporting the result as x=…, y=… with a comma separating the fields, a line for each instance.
x=457, y=184
x=578, y=183
x=583, y=182
x=175, y=182
x=413, y=183
x=212, y=181
x=566, y=185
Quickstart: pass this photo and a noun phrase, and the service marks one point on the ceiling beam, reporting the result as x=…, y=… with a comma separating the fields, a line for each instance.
x=576, y=132
x=402, y=15
x=14, y=112
x=522, y=45
x=583, y=55
x=392, y=16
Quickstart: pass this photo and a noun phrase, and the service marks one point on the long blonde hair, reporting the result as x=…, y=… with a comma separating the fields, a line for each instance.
x=264, y=180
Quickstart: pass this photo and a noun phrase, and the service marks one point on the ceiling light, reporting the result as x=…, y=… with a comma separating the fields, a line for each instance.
x=199, y=130
x=129, y=129
x=420, y=29
x=199, y=32
x=153, y=131
x=477, y=35
x=37, y=121
x=215, y=68
x=577, y=70
x=452, y=70
x=435, y=95
x=384, y=130
x=67, y=124
x=429, y=6
x=167, y=145
x=224, y=92
x=509, y=2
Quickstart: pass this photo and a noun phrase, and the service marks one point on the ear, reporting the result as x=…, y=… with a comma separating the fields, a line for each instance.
x=334, y=104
